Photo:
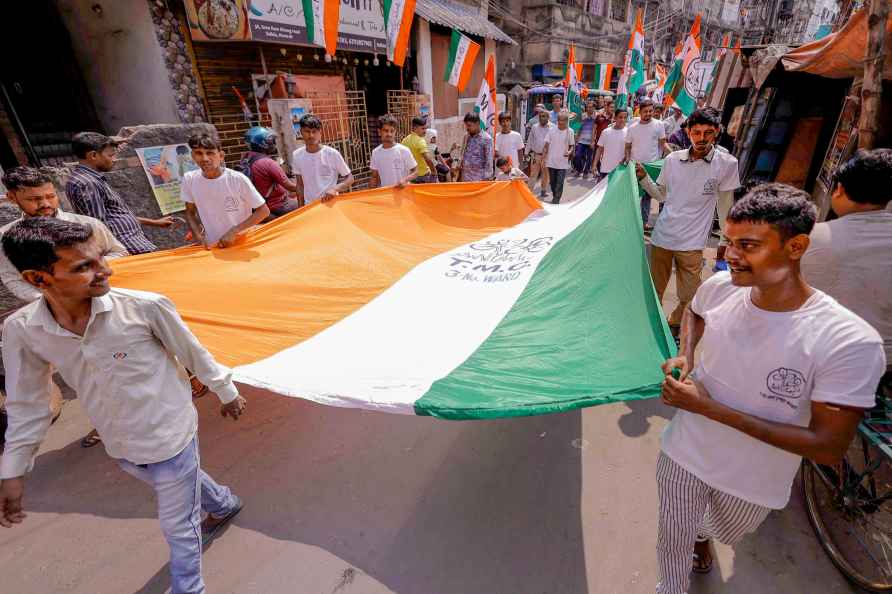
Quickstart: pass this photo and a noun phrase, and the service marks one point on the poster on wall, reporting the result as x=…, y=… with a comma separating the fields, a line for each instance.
x=165, y=167
x=361, y=27
x=218, y=20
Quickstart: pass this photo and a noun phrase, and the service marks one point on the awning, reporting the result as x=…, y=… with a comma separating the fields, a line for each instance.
x=840, y=54
x=461, y=17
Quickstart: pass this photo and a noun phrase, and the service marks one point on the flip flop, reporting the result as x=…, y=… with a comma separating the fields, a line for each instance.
x=209, y=535
x=91, y=439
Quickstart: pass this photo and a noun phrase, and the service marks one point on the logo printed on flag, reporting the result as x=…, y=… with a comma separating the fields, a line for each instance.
x=398, y=15
x=486, y=99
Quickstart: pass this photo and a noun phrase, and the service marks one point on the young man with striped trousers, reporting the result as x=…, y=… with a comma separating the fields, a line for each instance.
x=784, y=372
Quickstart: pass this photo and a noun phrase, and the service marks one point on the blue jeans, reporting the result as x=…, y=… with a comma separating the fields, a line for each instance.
x=645, y=206
x=582, y=159
x=183, y=490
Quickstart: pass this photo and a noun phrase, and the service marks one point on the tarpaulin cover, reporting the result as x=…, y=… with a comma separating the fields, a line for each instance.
x=840, y=54
x=454, y=300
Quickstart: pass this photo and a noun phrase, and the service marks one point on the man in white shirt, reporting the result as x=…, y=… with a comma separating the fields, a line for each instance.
x=319, y=167
x=535, y=146
x=689, y=185
x=558, y=148
x=612, y=144
x=508, y=142
x=392, y=163
x=850, y=258
x=32, y=190
x=220, y=203
x=785, y=372
x=672, y=121
x=123, y=352
x=645, y=142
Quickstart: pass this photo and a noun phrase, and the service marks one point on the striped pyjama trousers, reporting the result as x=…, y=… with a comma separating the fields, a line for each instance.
x=691, y=510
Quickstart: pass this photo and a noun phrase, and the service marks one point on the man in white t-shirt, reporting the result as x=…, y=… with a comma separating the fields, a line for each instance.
x=850, y=258
x=558, y=148
x=689, y=185
x=318, y=167
x=612, y=143
x=535, y=146
x=645, y=142
x=784, y=372
x=508, y=142
x=392, y=163
x=220, y=203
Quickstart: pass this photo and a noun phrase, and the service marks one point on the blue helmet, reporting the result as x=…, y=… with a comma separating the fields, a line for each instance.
x=260, y=139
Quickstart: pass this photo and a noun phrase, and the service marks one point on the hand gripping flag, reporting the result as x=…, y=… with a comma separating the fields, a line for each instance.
x=398, y=15
x=322, y=18
x=462, y=301
x=462, y=55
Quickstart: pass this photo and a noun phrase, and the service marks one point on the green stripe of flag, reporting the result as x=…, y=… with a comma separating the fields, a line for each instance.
x=453, y=50
x=592, y=299
x=310, y=20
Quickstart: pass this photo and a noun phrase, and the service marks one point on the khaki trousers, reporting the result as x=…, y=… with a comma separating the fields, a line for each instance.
x=537, y=167
x=687, y=276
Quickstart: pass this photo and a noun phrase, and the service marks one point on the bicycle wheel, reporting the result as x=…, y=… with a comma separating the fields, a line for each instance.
x=849, y=509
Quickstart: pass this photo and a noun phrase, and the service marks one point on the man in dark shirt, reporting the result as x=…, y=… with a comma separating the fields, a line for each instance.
x=266, y=174
x=90, y=194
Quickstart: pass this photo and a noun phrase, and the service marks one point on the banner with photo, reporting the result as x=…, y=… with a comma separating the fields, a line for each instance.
x=361, y=27
x=165, y=167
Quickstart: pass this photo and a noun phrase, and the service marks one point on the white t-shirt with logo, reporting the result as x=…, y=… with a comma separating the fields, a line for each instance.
x=319, y=170
x=510, y=145
x=223, y=202
x=392, y=164
x=559, y=142
x=692, y=189
x=614, y=142
x=645, y=140
x=771, y=365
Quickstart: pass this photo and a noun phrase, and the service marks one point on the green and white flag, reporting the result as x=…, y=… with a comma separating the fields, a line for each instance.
x=677, y=90
x=603, y=76
x=633, y=68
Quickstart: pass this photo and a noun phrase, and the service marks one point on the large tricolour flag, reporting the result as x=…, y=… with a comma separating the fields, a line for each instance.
x=398, y=15
x=486, y=99
x=602, y=76
x=675, y=90
x=463, y=301
x=633, y=68
x=322, y=18
x=462, y=55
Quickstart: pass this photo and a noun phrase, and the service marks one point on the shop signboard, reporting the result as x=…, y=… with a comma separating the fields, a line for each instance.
x=361, y=27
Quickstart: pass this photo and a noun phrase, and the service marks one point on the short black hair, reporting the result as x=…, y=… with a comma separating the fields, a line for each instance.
x=705, y=115
x=557, y=96
x=31, y=243
x=787, y=209
x=620, y=110
x=867, y=177
x=205, y=141
x=472, y=116
x=505, y=115
x=310, y=121
x=84, y=142
x=419, y=121
x=387, y=120
x=25, y=177
x=501, y=161
x=645, y=103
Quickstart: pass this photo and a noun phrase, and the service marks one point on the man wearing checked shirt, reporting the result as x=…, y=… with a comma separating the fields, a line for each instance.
x=90, y=194
x=123, y=352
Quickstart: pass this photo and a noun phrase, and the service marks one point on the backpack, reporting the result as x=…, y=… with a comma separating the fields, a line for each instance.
x=246, y=168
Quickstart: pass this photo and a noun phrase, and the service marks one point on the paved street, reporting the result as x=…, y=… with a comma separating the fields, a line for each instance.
x=343, y=501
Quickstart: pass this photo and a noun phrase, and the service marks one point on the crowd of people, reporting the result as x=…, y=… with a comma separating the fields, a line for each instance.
x=779, y=355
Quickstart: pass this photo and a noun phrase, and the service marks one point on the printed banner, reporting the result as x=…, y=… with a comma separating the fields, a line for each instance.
x=165, y=167
x=360, y=26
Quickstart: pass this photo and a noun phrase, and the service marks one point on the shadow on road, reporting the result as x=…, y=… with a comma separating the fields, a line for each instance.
x=636, y=422
x=419, y=504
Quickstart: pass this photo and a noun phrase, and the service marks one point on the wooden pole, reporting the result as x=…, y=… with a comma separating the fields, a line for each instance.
x=872, y=89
